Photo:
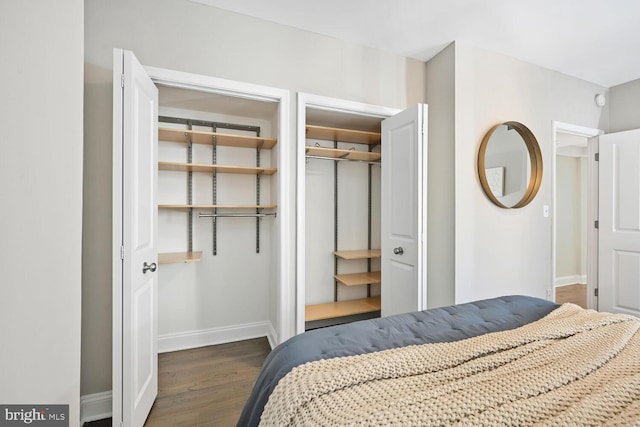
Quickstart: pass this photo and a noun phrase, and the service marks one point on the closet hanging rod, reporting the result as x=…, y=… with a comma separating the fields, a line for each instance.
x=338, y=158
x=236, y=215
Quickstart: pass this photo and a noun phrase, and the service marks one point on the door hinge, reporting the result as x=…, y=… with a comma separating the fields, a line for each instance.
x=595, y=292
x=121, y=252
x=122, y=80
x=596, y=223
x=597, y=156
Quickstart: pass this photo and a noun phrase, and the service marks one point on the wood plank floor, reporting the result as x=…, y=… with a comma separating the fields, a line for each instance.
x=576, y=294
x=205, y=386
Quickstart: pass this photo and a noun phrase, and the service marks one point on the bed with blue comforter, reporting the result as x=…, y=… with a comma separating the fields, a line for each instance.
x=439, y=325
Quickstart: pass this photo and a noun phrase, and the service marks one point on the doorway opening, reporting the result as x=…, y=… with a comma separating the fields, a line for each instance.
x=575, y=212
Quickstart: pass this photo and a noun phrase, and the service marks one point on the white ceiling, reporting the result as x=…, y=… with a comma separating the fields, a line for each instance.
x=595, y=40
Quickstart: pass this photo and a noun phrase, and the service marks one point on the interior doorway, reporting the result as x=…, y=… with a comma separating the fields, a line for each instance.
x=575, y=212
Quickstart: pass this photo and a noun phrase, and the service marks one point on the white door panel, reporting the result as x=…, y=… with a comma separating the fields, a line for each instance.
x=619, y=240
x=404, y=211
x=137, y=370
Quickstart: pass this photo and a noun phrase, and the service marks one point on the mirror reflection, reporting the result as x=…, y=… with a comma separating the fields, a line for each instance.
x=510, y=165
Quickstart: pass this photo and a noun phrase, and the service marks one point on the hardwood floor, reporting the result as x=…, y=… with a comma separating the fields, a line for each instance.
x=576, y=294
x=205, y=386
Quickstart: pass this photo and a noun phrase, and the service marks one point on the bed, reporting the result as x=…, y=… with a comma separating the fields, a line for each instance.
x=508, y=360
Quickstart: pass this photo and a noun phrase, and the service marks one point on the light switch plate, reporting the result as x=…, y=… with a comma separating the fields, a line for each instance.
x=545, y=211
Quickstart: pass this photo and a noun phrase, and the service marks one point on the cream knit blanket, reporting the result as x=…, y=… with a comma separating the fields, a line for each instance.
x=573, y=367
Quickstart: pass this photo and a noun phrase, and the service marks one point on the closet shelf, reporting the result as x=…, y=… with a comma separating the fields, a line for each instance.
x=342, y=135
x=227, y=140
x=338, y=153
x=357, y=279
x=195, y=167
x=179, y=257
x=341, y=308
x=359, y=254
x=167, y=206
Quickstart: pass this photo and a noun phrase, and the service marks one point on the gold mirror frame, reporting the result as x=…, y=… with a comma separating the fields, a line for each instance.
x=535, y=159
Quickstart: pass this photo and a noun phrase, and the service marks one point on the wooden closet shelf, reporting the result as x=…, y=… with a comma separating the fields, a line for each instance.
x=338, y=153
x=343, y=135
x=179, y=257
x=195, y=167
x=359, y=254
x=164, y=206
x=225, y=139
x=357, y=279
x=341, y=308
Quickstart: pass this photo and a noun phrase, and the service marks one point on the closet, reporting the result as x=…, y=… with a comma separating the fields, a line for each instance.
x=340, y=200
x=201, y=220
x=217, y=203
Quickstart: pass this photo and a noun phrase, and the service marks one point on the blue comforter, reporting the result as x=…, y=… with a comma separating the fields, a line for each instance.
x=444, y=324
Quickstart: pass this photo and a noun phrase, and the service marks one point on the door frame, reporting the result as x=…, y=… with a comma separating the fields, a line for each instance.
x=306, y=100
x=592, y=205
x=284, y=327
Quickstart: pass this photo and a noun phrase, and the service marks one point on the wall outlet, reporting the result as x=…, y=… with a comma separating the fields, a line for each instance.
x=550, y=294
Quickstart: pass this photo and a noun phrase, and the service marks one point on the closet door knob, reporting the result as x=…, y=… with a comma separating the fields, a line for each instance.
x=149, y=267
x=398, y=250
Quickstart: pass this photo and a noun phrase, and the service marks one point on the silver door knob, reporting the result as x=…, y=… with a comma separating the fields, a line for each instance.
x=149, y=267
x=398, y=250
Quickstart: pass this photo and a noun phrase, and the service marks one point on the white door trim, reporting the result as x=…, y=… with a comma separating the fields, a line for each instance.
x=592, y=236
x=306, y=100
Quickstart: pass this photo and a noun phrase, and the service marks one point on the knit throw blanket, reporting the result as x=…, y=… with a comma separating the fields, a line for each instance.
x=573, y=367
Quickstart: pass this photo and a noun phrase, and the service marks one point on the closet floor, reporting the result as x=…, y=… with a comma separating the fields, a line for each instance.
x=205, y=386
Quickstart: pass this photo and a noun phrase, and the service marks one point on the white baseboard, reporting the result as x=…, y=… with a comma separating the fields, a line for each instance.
x=96, y=406
x=213, y=336
x=570, y=280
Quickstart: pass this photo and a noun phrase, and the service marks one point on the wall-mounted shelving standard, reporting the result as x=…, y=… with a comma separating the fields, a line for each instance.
x=189, y=137
x=371, y=304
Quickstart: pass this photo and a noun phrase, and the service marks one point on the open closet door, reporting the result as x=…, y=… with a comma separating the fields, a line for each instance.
x=619, y=223
x=404, y=211
x=135, y=359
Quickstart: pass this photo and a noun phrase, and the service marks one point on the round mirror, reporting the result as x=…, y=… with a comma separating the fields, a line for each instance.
x=510, y=165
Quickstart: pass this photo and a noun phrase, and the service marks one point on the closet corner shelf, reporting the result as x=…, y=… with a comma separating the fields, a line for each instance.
x=342, y=135
x=167, y=206
x=335, y=309
x=357, y=279
x=225, y=139
x=359, y=254
x=179, y=257
x=195, y=167
x=338, y=153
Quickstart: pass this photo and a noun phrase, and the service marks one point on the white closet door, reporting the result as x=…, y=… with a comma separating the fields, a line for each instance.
x=135, y=291
x=619, y=223
x=404, y=209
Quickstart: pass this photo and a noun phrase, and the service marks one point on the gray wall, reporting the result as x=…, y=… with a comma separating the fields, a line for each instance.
x=506, y=251
x=441, y=179
x=41, y=174
x=624, y=101
x=185, y=36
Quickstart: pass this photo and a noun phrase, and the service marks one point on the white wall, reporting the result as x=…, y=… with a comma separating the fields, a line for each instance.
x=571, y=208
x=185, y=36
x=624, y=101
x=41, y=193
x=505, y=251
